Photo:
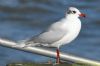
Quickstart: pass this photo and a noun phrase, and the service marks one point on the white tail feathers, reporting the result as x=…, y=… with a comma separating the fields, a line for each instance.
x=25, y=43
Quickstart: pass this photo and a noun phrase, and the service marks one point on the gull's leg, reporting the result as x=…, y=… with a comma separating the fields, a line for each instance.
x=58, y=56
x=49, y=61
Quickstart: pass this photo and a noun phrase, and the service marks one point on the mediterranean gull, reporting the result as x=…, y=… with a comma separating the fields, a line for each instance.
x=59, y=33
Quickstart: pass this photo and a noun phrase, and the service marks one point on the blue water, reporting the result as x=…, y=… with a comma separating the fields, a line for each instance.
x=22, y=19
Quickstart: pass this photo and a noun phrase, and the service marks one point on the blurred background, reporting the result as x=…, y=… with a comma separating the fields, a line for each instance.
x=22, y=19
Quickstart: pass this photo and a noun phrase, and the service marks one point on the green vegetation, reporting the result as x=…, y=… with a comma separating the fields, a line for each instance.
x=41, y=64
x=36, y=64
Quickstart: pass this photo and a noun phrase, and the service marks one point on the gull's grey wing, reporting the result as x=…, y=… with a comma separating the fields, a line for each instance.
x=53, y=34
x=48, y=37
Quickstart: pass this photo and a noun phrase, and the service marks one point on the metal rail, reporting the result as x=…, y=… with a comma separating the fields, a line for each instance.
x=49, y=53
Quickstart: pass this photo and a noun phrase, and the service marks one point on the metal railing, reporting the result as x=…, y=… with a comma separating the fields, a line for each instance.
x=49, y=53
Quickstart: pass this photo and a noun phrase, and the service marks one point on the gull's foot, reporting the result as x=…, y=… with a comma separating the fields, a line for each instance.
x=57, y=63
x=49, y=62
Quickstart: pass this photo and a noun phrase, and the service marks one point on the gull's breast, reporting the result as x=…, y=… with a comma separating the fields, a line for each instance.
x=72, y=32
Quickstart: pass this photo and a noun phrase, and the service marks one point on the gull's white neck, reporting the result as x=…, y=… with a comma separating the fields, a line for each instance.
x=71, y=17
x=72, y=26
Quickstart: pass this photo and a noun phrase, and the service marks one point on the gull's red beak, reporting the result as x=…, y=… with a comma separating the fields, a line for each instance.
x=82, y=15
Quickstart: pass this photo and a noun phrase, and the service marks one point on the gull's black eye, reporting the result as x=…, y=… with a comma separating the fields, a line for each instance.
x=74, y=12
x=69, y=12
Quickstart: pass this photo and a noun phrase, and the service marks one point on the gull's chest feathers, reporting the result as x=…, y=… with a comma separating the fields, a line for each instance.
x=72, y=27
x=67, y=25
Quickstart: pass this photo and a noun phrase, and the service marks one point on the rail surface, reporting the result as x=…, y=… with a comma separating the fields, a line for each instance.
x=49, y=53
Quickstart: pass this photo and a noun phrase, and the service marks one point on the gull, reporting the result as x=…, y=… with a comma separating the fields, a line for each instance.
x=59, y=33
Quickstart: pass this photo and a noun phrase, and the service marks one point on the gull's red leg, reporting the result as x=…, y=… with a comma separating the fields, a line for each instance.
x=58, y=56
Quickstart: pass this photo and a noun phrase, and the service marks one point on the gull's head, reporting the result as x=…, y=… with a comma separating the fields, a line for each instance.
x=75, y=12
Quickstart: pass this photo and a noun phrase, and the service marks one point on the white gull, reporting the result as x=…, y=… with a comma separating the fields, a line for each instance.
x=59, y=33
